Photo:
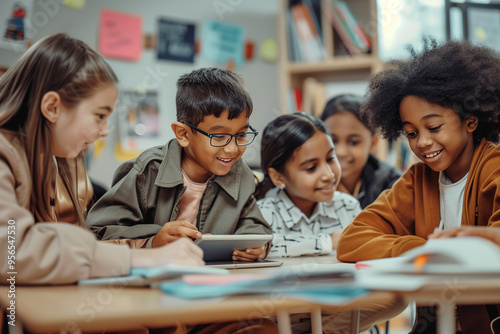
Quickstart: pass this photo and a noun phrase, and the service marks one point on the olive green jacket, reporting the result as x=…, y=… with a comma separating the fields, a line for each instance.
x=146, y=191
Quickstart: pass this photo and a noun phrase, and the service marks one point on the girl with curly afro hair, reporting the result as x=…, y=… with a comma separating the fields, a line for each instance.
x=446, y=101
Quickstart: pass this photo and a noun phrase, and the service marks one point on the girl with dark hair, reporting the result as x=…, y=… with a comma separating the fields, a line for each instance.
x=363, y=175
x=304, y=210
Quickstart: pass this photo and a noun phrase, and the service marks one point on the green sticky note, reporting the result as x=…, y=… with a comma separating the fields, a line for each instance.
x=77, y=4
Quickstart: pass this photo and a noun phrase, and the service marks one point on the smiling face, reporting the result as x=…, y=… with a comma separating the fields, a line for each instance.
x=200, y=159
x=353, y=143
x=76, y=128
x=438, y=136
x=312, y=174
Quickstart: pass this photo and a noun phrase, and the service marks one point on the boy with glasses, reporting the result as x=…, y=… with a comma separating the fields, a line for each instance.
x=196, y=183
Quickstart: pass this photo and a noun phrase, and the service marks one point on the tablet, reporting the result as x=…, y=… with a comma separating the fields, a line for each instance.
x=221, y=247
x=228, y=264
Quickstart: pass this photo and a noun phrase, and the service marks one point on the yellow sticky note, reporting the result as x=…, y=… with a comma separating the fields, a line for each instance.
x=77, y=4
x=269, y=50
x=98, y=148
x=124, y=155
x=480, y=33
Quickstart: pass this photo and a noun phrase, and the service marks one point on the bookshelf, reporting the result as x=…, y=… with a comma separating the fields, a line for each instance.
x=338, y=65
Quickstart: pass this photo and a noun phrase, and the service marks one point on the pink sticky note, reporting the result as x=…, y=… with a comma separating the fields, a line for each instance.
x=221, y=279
x=120, y=35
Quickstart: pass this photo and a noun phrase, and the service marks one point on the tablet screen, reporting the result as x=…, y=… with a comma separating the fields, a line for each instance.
x=221, y=247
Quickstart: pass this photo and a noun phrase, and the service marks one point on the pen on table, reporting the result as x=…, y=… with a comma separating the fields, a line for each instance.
x=420, y=262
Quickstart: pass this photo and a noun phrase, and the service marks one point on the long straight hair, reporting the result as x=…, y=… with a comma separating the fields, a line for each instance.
x=64, y=65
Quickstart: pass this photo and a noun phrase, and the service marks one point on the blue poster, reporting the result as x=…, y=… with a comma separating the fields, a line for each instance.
x=175, y=40
x=222, y=42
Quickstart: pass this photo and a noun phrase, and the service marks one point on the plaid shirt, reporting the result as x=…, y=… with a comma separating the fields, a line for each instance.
x=295, y=234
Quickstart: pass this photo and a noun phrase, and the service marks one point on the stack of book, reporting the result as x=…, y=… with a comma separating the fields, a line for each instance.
x=345, y=24
x=306, y=42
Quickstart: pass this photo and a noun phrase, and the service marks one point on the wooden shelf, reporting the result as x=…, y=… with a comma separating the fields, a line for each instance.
x=335, y=67
x=339, y=63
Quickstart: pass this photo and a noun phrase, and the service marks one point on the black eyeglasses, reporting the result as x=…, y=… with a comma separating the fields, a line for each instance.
x=223, y=139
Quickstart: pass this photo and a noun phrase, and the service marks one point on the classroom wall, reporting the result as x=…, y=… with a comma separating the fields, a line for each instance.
x=258, y=17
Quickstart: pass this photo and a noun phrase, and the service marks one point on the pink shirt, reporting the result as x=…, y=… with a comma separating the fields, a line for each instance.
x=190, y=200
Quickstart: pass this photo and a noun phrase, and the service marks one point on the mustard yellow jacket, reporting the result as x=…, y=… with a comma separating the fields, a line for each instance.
x=401, y=218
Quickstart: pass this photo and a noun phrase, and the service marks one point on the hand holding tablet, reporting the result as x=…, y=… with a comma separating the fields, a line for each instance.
x=221, y=247
x=218, y=250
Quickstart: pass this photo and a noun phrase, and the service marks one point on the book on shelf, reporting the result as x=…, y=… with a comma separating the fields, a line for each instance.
x=346, y=26
x=295, y=52
x=294, y=100
x=314, y=97
x=290, y=101
x=315, y=9
x=341, y=29
x=305, y=33
x=313, y=25
x=298, y=99
x=359, y=36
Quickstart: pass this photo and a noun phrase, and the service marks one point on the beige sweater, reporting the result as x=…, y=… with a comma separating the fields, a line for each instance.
x=48, y=252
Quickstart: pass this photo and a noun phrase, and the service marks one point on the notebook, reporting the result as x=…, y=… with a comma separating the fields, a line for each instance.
x=150, y=276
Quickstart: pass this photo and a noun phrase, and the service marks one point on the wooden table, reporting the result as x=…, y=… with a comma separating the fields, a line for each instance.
x=448, y=291
x=90, y=308
x=114, y=308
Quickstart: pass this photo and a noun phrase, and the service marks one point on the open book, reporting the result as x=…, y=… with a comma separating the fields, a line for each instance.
x=464, y=255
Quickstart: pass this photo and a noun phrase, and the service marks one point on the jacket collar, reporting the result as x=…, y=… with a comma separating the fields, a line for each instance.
x=170, y=175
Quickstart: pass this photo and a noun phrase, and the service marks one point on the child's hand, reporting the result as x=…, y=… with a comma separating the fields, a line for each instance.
x=490, y=233
x=250, y=254
x=172, y=231
x=335, y=239
x=182, y=251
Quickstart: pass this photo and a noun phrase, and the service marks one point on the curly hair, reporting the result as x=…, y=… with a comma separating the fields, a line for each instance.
x=455, y=75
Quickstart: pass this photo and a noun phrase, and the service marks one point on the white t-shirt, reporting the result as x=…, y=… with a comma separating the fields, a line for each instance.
x=451, y=199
